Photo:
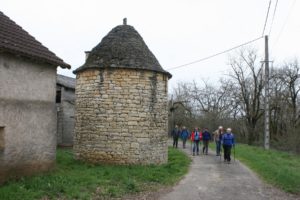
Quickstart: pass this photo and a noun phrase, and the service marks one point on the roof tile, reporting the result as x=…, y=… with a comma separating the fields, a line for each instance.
x=66, y=81
x=122, y=47
x=14, y=39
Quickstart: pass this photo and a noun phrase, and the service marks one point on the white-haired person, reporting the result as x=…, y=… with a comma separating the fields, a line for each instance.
x=217, y=138
x=228, y=142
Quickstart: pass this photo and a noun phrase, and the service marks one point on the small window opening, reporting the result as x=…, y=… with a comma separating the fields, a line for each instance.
x=58, y=96
x=2, y=143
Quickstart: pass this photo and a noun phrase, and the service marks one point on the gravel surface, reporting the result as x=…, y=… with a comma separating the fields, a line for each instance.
x=209, y=178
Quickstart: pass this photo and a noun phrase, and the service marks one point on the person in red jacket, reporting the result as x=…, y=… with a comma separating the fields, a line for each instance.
x=195, y=138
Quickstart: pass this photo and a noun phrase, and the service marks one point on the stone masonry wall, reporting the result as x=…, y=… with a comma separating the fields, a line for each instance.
x=121, y=116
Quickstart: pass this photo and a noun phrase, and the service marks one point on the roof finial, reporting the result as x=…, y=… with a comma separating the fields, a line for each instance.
x=125, y=21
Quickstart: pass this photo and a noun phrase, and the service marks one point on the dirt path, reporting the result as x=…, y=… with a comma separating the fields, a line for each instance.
x=212, y=179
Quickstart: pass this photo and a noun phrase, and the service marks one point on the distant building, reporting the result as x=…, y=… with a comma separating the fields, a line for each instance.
x=121, y=102
x=65, y=100
x=27, y=102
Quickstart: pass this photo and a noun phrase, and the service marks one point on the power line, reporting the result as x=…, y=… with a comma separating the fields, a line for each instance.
x=285, y=22
x=273, y=17
x=266, y=18
x=214, y=55
x=228, y=50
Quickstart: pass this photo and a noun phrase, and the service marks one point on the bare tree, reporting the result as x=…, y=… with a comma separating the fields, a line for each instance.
x=290, y=77
x=248, y=78
x=285, y=117
x=277, y=105
x=238, y=102
x=181, y=108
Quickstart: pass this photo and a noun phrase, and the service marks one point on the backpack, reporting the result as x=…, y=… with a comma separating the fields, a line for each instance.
x=184, y=134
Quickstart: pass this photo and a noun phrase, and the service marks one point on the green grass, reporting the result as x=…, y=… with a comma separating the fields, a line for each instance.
x=278, y=168
x=76, y=180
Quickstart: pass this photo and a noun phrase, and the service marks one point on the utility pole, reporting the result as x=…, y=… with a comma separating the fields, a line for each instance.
x=267, y=109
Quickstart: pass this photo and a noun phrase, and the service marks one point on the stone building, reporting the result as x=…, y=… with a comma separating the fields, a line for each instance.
x=65, y=103
x=27, y=102
x=121, y=102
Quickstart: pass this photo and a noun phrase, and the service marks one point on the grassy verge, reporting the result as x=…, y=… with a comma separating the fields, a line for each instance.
x=76, y=180
x=278, y=168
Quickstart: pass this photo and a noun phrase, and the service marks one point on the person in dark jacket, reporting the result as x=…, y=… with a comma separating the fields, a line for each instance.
x=175, y=135
x=206, y=137
x=184, y=136
x=228, y=142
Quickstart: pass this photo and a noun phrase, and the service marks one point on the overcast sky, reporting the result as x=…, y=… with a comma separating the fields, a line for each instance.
x=176, y=31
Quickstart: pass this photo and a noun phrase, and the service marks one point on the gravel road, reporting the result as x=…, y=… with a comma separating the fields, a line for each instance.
x=209, y=178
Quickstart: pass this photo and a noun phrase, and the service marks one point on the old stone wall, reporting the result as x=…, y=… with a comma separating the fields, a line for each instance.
x=65, y=117
x=121, y=116
x=59, y=124
x=27, y=117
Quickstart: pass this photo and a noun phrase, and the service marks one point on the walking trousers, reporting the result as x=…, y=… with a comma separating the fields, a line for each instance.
x=227, y=152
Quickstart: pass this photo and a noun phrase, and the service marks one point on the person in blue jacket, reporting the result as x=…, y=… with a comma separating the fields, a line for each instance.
x=228, y=143
x=206, y=137
x=184, y=136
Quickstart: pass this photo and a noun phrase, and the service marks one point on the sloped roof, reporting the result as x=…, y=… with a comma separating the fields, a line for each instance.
x=65, y=81
x=122, y=47
x=14, y=39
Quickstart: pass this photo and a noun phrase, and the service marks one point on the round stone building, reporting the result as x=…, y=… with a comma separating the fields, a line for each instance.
x=121, y=102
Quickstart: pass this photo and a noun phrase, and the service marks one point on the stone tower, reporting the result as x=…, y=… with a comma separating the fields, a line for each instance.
x=121, y=102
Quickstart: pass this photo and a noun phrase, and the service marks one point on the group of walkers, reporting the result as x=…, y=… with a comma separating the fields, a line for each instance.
x=222, y=138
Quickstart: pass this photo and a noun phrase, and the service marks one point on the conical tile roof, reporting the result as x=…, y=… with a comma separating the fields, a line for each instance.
x=122, y=47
